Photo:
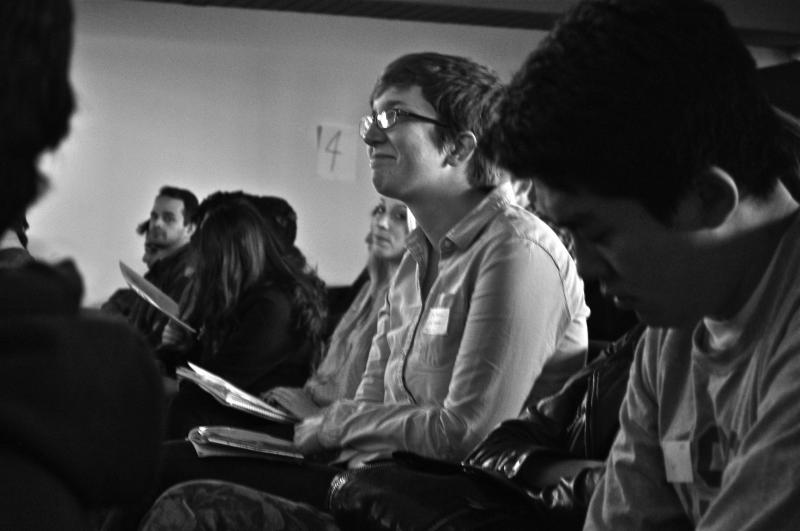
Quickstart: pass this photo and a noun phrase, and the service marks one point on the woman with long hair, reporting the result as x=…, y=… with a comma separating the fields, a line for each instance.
x=339, y=373
x=260, y=314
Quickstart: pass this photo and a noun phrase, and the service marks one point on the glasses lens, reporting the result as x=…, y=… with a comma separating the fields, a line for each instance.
x=364, y=124
x=386, y=119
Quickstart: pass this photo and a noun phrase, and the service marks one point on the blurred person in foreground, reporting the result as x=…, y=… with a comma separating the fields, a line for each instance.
x=81, y=400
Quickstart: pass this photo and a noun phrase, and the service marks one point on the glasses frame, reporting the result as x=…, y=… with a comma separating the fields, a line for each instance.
x=390, y=117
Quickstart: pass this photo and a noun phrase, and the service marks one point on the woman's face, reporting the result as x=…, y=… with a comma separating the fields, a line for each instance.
x=388, y=229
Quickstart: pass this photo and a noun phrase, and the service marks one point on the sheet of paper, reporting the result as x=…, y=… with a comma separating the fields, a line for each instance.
x=157, y=298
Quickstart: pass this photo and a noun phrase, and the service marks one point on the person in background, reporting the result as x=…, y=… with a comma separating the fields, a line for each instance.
x=172, y=220
x=81, y=404
x=647, y=134
x=340, y=371
x=169, y=231
x=279, y=215
x=171, y=225
x=259, y=315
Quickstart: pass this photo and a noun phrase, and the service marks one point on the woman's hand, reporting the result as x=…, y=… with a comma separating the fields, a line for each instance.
x=306, y=435
x=173, y=334
x=294, y=400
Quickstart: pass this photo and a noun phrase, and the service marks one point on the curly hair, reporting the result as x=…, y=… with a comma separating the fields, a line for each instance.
x=635, y=98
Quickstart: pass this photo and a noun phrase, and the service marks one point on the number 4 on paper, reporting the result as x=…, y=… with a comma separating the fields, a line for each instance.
x=336, y=147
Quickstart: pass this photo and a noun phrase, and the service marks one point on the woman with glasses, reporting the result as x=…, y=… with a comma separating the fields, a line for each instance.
x=485, y=311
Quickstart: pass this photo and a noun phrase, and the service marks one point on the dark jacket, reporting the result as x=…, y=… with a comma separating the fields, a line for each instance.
x=169, y=275
x=261, y=348
x=80, y=405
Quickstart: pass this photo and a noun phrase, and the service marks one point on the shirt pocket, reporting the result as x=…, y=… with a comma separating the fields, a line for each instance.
x=438, y=343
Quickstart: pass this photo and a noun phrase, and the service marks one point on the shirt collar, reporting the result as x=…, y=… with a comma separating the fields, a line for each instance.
x=468, y=228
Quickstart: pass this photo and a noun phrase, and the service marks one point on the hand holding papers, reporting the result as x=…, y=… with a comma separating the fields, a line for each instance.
x=160, y=300
x=293, y=399
x=230, y=395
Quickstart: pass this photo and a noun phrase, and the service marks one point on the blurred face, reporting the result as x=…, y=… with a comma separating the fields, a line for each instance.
x=389, y=229
x=167, y=229
x=404, y=158
x=643, y=265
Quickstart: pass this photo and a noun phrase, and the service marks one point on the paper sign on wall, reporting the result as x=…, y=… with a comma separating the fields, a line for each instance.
x=336, y=152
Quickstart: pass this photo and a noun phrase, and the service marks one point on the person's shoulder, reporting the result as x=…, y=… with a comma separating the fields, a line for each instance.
x=666, y=354
x=39, y=288
x=14, y=257
x=517, y=226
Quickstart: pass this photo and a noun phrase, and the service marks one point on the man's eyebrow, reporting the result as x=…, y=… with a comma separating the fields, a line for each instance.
x=392, y=104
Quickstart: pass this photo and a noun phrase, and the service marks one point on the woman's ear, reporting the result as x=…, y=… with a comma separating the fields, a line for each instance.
x=463, y=148
x=710, y=203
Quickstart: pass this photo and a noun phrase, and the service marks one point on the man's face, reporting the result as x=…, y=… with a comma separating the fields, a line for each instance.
x=404, y=158
x=643, y=265
x=167, y=229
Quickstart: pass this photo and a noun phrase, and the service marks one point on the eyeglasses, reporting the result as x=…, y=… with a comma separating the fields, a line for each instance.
x=388, y=118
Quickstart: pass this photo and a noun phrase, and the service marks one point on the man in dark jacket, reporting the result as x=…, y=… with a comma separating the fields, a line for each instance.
x=167, y=235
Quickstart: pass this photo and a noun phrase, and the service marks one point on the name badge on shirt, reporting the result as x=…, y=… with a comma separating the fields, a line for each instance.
x=438, y=317
x=678, y=461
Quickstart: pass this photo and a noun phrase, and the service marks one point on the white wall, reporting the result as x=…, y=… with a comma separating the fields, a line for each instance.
x=221, y=98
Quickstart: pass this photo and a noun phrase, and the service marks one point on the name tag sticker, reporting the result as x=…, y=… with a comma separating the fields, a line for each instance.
x=436, y=325
x=678, y=461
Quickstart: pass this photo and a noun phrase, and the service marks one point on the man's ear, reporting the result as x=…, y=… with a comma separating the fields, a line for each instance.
x=462, y=149
x=190, y=228
x=710, y=203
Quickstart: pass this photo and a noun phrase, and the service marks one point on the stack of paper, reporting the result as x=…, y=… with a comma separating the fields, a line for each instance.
x=214, y=441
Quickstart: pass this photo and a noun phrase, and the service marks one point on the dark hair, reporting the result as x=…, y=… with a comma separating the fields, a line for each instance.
x=189, y=201
x=276, y=211
x=141, y=228
x=635, y=98
x=36, y=98
x=461, y=92
x=234, y=249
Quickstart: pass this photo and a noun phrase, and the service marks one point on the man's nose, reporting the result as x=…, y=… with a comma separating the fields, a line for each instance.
x=375, y=135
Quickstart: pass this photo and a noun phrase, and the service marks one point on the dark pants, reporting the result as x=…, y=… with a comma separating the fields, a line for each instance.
x=305, y=482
